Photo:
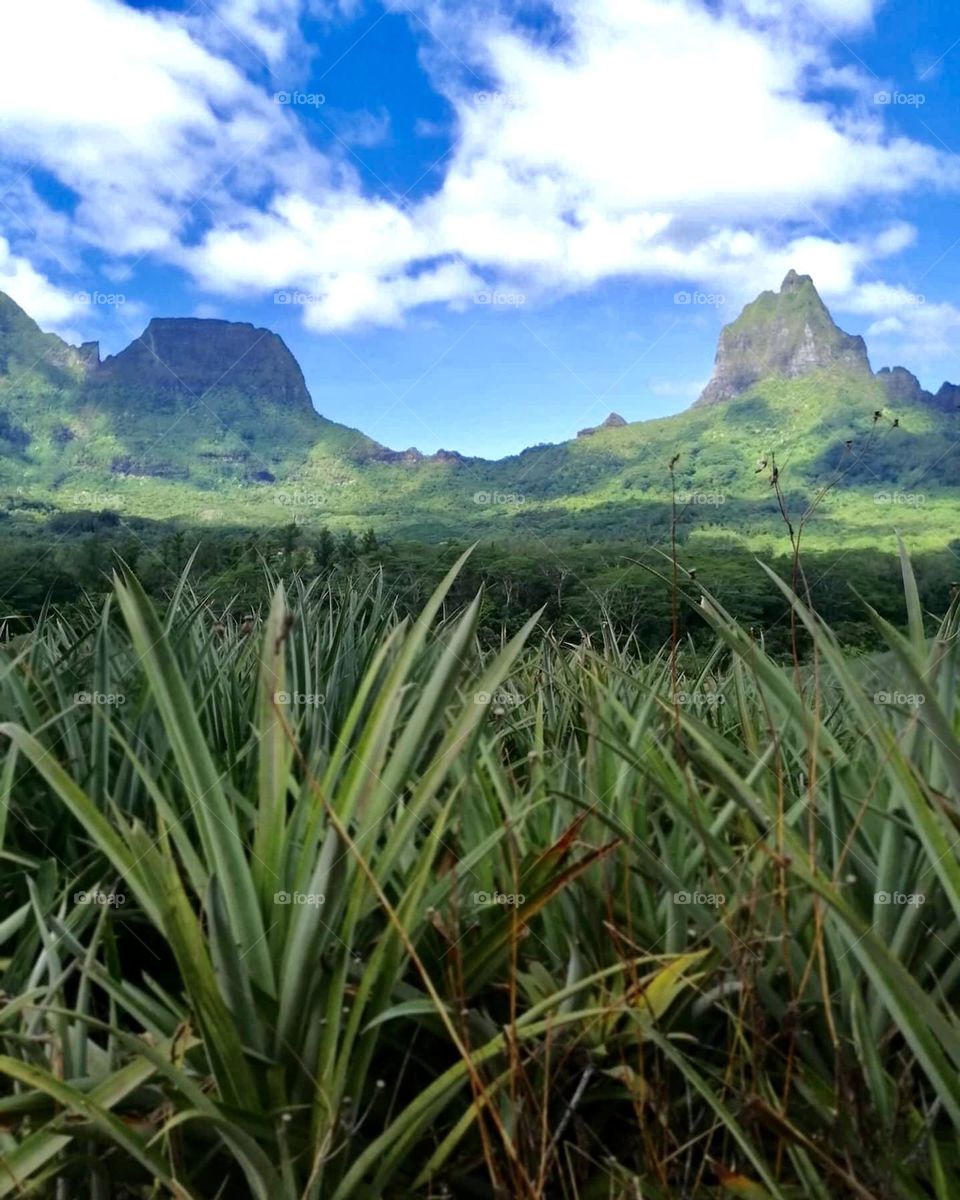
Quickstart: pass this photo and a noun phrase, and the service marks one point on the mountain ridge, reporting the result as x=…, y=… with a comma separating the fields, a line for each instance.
x=785, y=334
x=209, y=441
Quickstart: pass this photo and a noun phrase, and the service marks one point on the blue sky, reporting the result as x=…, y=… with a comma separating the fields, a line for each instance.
x=472, y=222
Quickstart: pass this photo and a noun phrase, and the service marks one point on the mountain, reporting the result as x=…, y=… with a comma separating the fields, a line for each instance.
x=25, y=347
x=614, y=421
x=902, y=385
x=785, y=334
x=189, y=358
x=212, y=421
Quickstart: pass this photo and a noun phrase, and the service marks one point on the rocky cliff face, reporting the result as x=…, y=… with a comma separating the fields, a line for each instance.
x=787, y=333
x=902, y=385
x=192, y=357
x=948, y=397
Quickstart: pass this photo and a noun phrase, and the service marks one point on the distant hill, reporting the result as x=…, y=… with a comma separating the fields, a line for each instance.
x=211, y=421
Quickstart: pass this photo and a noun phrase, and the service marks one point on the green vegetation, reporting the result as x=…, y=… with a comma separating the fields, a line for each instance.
x=241, y=445
x=246, y=879
x=582, y=586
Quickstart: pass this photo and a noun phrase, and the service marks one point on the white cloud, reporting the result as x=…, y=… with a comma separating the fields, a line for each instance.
x=265, y=26
x=49, y=305
x=919, y=329
x=660, y=139
x=353, y=298
x=146, y=125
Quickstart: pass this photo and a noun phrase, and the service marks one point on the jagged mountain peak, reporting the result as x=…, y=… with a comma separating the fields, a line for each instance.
x=902, y=385
x=787, y=334
x=794, y=282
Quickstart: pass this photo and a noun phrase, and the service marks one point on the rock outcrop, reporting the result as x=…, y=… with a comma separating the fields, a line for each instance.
x=902, y=386
x=947, y=398
x=614, y=421
x=788, y=334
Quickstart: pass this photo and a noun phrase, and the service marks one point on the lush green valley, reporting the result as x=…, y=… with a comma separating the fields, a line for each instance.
x=613, y=855
x=204, y=423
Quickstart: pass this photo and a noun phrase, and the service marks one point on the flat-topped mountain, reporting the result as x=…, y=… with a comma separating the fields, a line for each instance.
x=194, y=356
x=785, y=334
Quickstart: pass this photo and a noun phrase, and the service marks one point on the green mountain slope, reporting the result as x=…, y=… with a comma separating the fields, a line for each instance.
x=211, y=421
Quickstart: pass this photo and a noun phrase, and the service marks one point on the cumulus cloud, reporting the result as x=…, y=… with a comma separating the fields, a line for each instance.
x=667, y=140
x=146, y=126
x=51, y=306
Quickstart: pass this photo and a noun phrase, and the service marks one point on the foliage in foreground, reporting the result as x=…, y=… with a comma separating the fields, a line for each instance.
x=335, y=905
